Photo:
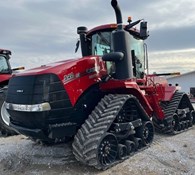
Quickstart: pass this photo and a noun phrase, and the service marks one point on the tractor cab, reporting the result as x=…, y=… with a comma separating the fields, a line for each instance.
x=5, y=67
x=98, y=41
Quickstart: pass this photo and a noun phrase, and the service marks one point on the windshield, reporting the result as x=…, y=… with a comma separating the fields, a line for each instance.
x=101, y=43
x=4, y=68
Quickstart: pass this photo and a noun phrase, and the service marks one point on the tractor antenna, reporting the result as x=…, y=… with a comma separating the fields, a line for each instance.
x=117, y=10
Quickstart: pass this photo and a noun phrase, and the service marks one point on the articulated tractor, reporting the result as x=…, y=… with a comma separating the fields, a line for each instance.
x=106, y=101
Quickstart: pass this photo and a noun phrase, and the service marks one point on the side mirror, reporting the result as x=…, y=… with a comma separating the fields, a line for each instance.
x=82, y=31
x=143, y=30
x=115, y=56
x=18, y=68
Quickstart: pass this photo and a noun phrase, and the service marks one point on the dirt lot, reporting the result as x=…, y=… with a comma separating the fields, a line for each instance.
x=173, y=155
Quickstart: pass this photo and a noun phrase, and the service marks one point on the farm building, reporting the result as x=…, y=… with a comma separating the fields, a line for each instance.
x=186, y=81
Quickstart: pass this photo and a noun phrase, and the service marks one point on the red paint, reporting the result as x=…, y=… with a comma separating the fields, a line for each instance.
x=4, y=77
x=157, y=90
x=127, y=87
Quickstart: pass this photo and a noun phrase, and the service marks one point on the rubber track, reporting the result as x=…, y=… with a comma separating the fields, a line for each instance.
x=170, y=109
x=87, y=139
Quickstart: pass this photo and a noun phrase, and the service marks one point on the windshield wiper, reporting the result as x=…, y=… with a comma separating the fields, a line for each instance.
x=103, y=39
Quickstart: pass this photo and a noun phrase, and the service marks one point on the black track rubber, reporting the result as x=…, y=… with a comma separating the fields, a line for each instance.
x=91, y=133
x=170, y=109
x=4, y=129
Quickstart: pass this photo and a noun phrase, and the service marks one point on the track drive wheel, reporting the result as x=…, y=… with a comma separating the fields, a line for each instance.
x=5, y=129
x=107, y=149
x=146, y=132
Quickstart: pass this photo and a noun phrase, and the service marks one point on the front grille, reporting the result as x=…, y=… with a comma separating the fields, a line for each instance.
x=36, y=89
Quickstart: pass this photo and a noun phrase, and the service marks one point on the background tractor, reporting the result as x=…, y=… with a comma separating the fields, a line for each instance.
x=105, y=100
x=5, y=75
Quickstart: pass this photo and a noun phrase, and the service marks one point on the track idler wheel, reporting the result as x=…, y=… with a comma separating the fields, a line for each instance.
x=122, y=151
x=146, y=132
x=130, y=147
x=108, y=150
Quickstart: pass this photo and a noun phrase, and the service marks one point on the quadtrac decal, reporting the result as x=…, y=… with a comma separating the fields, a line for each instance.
x=71, y=76
x=95, y=70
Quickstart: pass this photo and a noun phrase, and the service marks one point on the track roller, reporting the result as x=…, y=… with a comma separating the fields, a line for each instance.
x=130, y=147
x=182, y=125
x=146, y=132
x=175, y=123
x=122, y=151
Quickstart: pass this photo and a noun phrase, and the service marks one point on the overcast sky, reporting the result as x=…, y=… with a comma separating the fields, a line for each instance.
x=44, y=31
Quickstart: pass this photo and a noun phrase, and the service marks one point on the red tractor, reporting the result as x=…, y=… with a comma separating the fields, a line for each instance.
x=5, y=68
x=105, y=99
x=5, y=75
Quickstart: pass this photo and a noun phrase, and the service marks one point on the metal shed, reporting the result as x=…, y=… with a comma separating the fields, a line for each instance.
x=186, y=81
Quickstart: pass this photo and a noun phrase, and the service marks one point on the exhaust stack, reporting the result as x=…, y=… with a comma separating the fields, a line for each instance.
x=117, y=10
x=121, y=44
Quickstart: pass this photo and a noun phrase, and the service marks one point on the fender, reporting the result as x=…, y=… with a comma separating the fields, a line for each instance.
x=127, y=87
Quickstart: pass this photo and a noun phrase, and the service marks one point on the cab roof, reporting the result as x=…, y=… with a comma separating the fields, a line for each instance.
x=111, y=27
x=5, y=52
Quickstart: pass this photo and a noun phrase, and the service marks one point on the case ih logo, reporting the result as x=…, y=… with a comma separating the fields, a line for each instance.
x=19, y=91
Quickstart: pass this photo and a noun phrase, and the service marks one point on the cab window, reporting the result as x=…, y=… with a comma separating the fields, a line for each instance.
x=101, y=43
x=4, y=68
x=137, y=50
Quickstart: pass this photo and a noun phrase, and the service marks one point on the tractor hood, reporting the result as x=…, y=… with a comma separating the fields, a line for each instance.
x=80, y=67
x=4, y=77
x=80, y=73
x=56, y=68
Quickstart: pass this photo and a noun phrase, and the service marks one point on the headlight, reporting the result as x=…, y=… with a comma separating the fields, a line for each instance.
x=28, y=108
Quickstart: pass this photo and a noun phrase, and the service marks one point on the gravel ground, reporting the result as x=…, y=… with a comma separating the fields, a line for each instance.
x=174, y=155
